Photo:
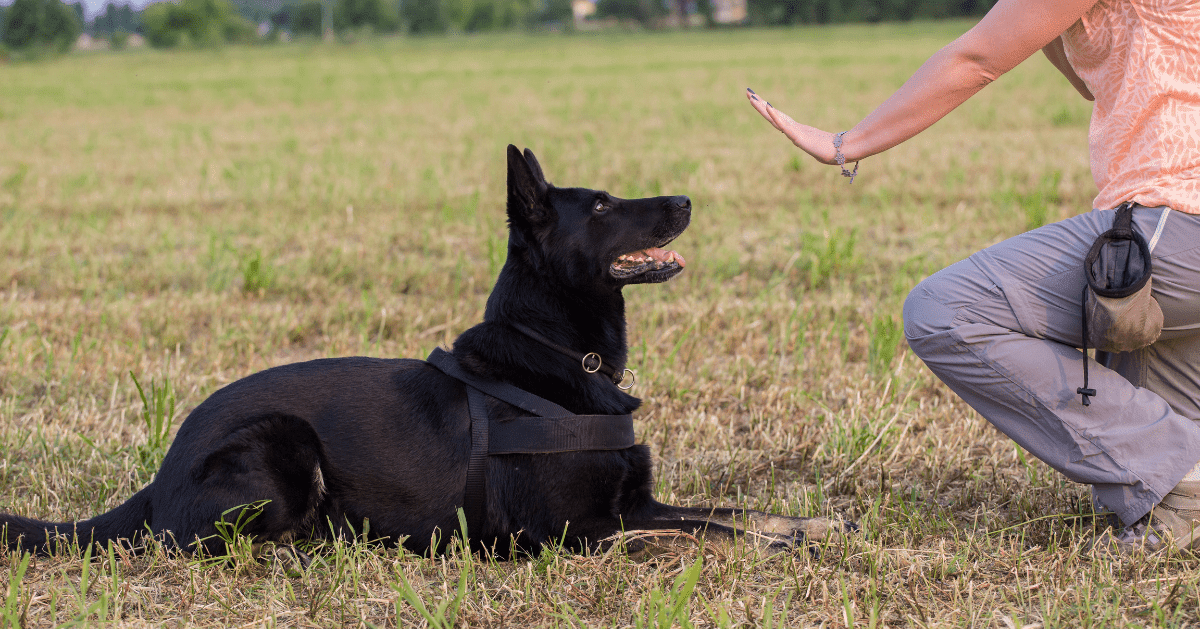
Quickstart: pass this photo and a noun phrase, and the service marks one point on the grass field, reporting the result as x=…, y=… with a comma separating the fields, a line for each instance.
x=189, y=218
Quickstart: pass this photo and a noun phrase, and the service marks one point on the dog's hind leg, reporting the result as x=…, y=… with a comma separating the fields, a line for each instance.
x=265, y=481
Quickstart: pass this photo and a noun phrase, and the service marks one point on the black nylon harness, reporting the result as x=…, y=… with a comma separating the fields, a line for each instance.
x=552, y=429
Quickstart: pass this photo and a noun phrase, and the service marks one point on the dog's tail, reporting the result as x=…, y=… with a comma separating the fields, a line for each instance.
x=126, y=522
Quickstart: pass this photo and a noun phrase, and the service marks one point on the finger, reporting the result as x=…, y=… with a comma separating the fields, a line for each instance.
x=782, y=121
x=765, y=113
x=762, y=107
x=755, y=101
x=778, y=116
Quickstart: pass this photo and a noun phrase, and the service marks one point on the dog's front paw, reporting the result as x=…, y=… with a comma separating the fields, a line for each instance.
x=819, y=529
x=811, y=534
x=816, y=534
x=811, y=529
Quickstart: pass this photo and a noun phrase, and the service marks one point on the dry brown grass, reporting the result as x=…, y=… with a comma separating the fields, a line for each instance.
x=137, y=191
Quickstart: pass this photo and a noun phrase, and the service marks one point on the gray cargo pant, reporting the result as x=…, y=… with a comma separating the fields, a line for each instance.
x=1002, y=329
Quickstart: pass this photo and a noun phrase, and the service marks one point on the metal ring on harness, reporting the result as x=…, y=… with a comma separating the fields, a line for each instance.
x=584, y=362
x=633, y=382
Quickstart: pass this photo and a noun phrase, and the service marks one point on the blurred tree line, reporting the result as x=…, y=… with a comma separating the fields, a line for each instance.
x=116, y=19
x=471, y=16
x=438, y=16
x=42, y=24
x=791, y=12
x=196, y=23
x=54, y=25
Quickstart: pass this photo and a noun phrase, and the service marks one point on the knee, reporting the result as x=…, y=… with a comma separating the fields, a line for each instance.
x=925, y=315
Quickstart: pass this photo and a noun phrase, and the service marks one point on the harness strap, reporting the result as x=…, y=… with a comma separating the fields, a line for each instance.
x=554, y=430
x=548, y=435
x=475, y=494
x=447, y=364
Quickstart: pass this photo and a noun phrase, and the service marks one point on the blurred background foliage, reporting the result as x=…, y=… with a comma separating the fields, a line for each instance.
x=55, y=26
x=195, y=22
x=40, y=24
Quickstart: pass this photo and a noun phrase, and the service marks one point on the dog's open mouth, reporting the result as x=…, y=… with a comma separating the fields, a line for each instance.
x=652, y=264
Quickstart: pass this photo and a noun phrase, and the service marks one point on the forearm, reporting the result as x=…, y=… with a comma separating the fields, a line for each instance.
x=1011, y=32
x=945, y=81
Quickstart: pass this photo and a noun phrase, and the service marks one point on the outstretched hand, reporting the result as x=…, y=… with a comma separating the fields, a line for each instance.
x=811, y=140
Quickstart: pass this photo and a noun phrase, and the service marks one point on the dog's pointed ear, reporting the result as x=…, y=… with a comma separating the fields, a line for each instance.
x=531, y=159
x=526, y=189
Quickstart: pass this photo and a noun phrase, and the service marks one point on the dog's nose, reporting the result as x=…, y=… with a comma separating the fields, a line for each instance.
x=682, y=202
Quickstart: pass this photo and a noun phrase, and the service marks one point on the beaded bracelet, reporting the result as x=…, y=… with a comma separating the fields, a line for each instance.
x=841, y=159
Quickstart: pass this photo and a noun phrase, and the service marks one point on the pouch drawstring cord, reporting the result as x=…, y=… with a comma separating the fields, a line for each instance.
x=1084, y=390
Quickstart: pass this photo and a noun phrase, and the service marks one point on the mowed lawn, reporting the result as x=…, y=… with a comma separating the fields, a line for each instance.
x=188, y=218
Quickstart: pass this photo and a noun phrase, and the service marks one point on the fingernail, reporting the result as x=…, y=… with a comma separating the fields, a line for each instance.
x=770, y=105
x=754, y=97
x=749, y=90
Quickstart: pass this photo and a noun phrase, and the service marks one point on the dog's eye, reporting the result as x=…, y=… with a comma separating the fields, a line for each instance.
x=599, y=207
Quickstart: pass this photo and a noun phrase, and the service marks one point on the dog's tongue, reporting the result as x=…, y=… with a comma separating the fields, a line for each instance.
x=665, y=256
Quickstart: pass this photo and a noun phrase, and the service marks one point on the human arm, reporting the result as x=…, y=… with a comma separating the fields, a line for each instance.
x=1009, y=33
x=1055, y=53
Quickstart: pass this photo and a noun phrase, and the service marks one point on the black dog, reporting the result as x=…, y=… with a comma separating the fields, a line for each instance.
x=331, y=446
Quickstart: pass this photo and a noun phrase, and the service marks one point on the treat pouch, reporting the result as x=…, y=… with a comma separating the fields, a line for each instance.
x=1120, y=314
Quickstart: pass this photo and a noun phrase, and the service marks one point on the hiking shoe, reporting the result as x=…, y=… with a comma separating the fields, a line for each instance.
x=1175, y=520
x=1142, y=537
x=1179, y=511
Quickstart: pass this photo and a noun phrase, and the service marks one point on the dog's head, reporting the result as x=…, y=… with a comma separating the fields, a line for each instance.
x=589, y=236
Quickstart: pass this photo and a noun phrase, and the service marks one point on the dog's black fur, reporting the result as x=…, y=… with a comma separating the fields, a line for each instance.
x=332, y=443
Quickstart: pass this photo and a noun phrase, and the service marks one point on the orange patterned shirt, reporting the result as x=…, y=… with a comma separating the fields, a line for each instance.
x=1141, y=60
